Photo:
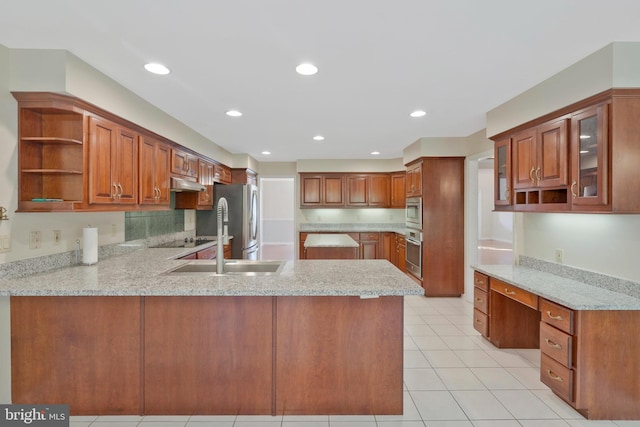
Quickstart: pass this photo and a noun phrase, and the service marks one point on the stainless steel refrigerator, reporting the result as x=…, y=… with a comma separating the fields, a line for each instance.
x=243, y=219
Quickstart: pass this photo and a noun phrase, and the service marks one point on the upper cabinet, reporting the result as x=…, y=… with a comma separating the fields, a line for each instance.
x=414, y=179
x=74, y=156
x=113, y=163
x=398, y=189
x=350, y=190
x=51, y=146
x=322, y=190
x=184, y=163
x=582, y=158
x=154, y=161
x=502, y=190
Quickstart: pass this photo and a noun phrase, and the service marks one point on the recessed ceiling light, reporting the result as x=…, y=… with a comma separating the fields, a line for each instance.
x=418, y=113
x=584, y=151
x=266, y=153
x=318, y=138
x=375, y=153
x=307, y=69
x=155, y=68
x=234, y=113
x=585, y=136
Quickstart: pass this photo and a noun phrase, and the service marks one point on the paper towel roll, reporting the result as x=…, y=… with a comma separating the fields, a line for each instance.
x=89, y=245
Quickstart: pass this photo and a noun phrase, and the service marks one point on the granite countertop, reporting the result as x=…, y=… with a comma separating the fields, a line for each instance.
x=330, y=241
x=571, y=293
x=142, y=272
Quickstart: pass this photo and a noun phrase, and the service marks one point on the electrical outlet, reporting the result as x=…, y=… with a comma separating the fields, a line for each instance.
x=35, y=240
x=559, y=256
x=57, y=237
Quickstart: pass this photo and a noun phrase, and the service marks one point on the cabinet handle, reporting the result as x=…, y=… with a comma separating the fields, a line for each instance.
x=479, y=300
x=121, y=190
x=538, y=174
x=554, y=376
x=573, y=193
x=552, y=344
x=551, y=316
x=506, y=193
x=533, y=180
x=115, y=192
x=508, y=292
x=479, y=281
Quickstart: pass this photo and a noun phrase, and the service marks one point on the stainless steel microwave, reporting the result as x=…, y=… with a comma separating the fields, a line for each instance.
x=413, y=213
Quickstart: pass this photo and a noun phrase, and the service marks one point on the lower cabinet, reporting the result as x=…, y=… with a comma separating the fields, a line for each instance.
x=207, y=355
x=588, y=357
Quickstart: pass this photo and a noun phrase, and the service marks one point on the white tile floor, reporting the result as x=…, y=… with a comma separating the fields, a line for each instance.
x=453, y=378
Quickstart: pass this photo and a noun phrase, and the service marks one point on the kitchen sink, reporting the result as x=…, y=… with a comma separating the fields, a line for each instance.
x=231, y=267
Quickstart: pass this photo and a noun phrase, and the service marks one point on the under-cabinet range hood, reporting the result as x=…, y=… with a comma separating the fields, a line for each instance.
x=179, y=184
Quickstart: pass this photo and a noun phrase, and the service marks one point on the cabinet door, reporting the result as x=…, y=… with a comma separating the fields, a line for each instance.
x=589, y=154
x=102, y=140
x=389, y=247
x=398, y=190
x=502, y=173
x=357, y=190
x=183, y=163
x=125, y=164
x=379, y=189
x=311, y=190
x=333, y=190
x=206, y=177
x=163, y=176
x=401, y=253
x=414, y=180
x=551, y=155
x=524, y=151
x=369, y=250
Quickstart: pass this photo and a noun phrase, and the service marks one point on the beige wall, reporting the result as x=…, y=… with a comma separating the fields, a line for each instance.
x=444, y=147
x=341, y=165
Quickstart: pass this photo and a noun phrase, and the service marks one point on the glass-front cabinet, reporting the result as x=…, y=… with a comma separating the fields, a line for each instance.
x=589, y=157
x=502, y=171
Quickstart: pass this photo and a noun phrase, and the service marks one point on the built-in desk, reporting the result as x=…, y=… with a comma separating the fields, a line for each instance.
x=588, y=336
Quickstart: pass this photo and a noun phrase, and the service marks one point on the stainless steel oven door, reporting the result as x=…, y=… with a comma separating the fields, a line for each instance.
x=414, y=256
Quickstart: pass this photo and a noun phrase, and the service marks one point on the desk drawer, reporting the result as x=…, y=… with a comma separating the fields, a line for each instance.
x=556, y=344
x=481, y=300
x=481, y=281
x=515, y=293
x=557, y=377
x=559, y=316
x=481, y=322
x=369, y=236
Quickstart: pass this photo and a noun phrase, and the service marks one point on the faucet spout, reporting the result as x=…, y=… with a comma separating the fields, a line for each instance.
x=222, y=215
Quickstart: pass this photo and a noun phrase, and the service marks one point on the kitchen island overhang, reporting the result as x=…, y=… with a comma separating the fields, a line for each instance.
x=333, y=344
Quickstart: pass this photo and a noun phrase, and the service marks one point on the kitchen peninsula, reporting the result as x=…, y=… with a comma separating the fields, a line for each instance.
x=330, y=246
x=125, y=336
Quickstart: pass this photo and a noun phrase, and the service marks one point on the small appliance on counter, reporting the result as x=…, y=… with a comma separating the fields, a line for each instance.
x=242, y=200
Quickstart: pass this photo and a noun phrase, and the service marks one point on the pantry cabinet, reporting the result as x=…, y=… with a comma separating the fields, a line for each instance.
x=113, y=163
x=155, y=157
x=580, y=158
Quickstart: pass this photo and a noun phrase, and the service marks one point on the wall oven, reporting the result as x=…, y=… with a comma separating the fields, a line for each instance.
x=413, y=212
x=414, y=252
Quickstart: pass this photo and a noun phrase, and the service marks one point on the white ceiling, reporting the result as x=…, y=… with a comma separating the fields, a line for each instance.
x=379, y=60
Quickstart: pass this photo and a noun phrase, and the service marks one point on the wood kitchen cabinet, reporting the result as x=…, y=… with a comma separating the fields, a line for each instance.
x=322, y=190
x=368, y=190
x=244, y=176
x=398, y=189
x=113, y=163
x=576, y=159
x=206, y=174
x=369, y=245
x=503, y=190
x=224, y=175
x=155, y=159
x=184, y=163
x=481, y=303
x=414, y=179
x=401, y=252
x=51, y=147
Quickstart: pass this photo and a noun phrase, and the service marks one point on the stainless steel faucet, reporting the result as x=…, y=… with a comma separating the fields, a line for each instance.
x=222, y=212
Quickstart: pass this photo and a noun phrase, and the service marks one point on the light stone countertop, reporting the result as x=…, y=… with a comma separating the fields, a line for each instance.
x=141, y=273
x=344, y=227
x=568, y=292
x=330, y=241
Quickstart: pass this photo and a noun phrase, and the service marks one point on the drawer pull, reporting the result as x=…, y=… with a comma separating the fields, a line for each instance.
x=552, y=344
x=479, y=281
x=508, y=292
x=479, y=299
x=551, y=316
x=478, y=321
x=554, y=376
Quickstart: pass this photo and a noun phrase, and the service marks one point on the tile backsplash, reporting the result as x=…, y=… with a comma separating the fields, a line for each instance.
x=144, y=224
